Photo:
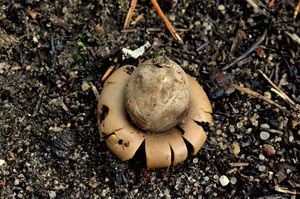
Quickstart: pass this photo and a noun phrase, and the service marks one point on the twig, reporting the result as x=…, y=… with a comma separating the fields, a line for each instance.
x=239, y=164
x=130, y=13
x=274, y=131
x=63, y=105
x=60, y=23
x=38, y=104
x=284, y=190
x=201, y=47
x=53, y=51
x=248, y=52
x=277, y=90
x=107, y=73
x=257, y=95
x=293, y=36
x=95, y=91
x=21, y=55
x=153, y=30
x=271, y=3
x=166, y=21
x=256, y=7
x=297, y=10
x=240, y=35
x=253, y=4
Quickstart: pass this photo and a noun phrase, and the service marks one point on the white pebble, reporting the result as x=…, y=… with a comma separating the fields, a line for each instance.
x=264, y=135
x=288, y=171
x=221, y=7
x=224, y=180
x=233, y=180
x=265, y=126
x=262, y=168
x=85, y=86
x=195, y=160
x=278, y=139
x=291, y=138
x=52, y=194
x=35, y=39
x=261, y=157
x=16, y=182
x=185, y=63
x=2, y=162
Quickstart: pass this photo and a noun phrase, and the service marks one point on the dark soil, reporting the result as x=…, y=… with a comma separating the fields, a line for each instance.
x=49, y=142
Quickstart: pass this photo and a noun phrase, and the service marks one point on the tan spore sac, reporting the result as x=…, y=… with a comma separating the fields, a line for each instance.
x=166, y=108
x=157, y=95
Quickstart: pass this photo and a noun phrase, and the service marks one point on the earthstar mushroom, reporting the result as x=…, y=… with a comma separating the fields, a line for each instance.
x=157, y=104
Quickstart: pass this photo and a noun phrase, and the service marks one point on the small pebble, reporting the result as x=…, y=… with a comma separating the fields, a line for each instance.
x=270, y=175
x=195, y=160
x=264, y=135
x=235, y=148
x=231, y=129
x=206, y=178
x=291, y=138
x=99, y=29
x=215, y=177
x=261, y=157
x=224, y=180
x=85, y=86
x=249, y=130
x=35, y=39
x=278, y=139
x=262, y=168
x=2, y=162
x=221, y=7
x=233, y=180
x=267, y=95
x=64, y=10
x=185, y=63
x=288, y=171
x=268, y=150
x=52, y=194
x=265, y=126
x=16, y=182
x=239, y=125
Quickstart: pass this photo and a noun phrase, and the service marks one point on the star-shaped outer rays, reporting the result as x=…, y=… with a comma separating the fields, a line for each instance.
x=162, y=150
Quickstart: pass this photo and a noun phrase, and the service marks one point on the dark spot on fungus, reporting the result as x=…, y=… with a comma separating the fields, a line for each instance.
x=120, y=141
x=103, y=113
